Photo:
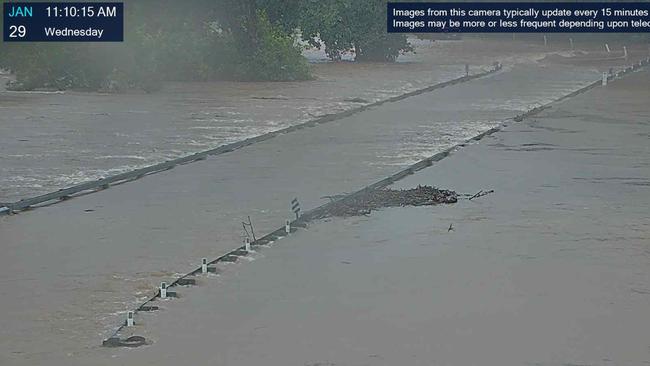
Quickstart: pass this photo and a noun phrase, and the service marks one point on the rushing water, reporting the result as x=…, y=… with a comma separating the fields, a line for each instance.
x=51, y=140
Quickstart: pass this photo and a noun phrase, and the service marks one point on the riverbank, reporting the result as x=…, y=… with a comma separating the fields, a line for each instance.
x=550, y=269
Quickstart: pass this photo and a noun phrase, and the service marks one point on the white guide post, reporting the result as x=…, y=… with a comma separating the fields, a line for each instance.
x=129, y=319
x=163, y=290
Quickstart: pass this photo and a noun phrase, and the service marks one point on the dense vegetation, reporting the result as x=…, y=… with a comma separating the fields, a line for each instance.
x=208, y=40
x=213, y=39
x=339, y=26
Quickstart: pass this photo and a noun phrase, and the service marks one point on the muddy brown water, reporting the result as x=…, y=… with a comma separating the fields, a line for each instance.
x=69, y=272
x=52, y=140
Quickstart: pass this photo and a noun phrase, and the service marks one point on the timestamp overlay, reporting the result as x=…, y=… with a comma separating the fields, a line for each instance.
x=518, y=17
x=63, y=22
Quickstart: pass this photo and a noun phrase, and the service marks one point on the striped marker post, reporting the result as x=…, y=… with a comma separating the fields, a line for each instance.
x=295, y=207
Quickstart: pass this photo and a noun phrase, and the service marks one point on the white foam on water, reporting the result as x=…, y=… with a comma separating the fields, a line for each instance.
x=138, y=112
x=34, y=92
x=133, y=157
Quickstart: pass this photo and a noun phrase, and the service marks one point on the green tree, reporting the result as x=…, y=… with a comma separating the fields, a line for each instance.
x=166, y=40
x=264, y=50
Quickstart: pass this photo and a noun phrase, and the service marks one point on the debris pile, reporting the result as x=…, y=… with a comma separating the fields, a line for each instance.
x=133, y=341
x=364, y=203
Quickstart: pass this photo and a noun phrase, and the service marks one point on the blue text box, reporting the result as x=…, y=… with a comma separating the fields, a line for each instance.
x=63, y=22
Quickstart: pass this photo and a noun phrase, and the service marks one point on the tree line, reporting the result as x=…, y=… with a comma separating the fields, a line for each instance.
x=172, y=40
x=209, y=40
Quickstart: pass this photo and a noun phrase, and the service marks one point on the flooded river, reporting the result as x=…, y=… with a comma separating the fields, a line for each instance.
x=70, y=271
x=51, y=140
